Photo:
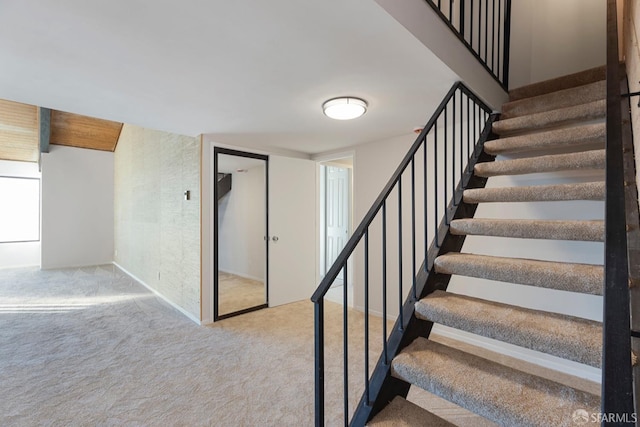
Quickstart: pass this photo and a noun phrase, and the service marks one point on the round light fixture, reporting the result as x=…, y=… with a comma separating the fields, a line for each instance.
x=344, y=108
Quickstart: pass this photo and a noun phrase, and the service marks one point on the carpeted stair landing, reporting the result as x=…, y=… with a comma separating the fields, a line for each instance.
x=553, y=126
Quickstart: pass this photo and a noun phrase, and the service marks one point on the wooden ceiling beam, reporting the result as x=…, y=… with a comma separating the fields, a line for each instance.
x=18, y=132
x=44, y=127
x=74, y=130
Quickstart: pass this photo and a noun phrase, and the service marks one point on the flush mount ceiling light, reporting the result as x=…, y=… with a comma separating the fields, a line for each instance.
x=344, y=108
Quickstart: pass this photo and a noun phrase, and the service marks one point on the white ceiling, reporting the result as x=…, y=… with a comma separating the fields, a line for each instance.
x=247, y=72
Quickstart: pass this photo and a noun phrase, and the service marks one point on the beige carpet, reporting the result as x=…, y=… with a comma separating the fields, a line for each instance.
x=91, y=347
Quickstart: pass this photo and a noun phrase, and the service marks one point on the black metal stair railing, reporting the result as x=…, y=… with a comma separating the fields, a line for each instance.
x=390, y=253
x=484, y=27
x=617, y=374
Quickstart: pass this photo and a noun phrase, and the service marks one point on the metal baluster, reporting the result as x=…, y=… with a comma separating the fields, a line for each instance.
x=366, y=316
x=319, y=350
x=462, y=18
x=493, y=35
x=475, y=130
x=345, y=325
x=444, y=163
x=453, y=152
x=500, y=29
x=468, y=167
x=471, y=26
x=507, y=43
x=435, y=178
x=413, y=226
x=424, y=188
x=384, y=282
x=486, y=29
x=400, y=294
x=479, y=27
x=462, y=136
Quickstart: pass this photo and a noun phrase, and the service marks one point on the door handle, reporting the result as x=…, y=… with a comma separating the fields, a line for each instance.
x=275, y=238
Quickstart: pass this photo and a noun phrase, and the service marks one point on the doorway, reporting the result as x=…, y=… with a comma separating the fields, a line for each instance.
x=241, y=251
x=335, y=218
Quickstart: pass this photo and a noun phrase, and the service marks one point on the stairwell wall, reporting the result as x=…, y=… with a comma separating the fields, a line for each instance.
x=157, y=231
x=631, y=24
x=421, y=20
x=551, y=38
x=373, y=164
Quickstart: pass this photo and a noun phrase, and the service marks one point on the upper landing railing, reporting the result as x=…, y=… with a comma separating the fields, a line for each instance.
x=484, y=27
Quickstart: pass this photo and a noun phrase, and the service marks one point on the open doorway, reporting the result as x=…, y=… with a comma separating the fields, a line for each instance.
x=336, y=195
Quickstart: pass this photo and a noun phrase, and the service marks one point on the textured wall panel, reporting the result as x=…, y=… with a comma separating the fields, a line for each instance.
x=157, y=231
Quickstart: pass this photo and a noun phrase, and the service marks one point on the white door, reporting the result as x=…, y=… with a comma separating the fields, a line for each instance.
x=337, y=213
x=292, y=229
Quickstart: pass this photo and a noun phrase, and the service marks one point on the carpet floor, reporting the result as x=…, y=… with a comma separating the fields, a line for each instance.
x=91, y=347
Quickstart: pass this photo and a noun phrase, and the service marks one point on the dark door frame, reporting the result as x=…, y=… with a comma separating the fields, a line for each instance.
x=219, y=150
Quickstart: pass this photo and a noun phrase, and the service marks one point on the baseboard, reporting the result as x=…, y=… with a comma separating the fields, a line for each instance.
x=544, y=360
x=159, y=295
x=390, y=317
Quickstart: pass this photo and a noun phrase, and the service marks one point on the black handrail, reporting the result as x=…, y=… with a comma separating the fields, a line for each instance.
x=465, y=122
x=484, y=27
x=617, y=378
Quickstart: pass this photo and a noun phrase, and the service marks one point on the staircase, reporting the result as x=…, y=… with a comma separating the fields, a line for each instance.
x=551, y=126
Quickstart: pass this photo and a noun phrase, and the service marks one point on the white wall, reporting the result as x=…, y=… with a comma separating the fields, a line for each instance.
x=157, y=231
x=420, y=19
x=242, y=217
x=551, y=38
x=77, y=207
x=19, y=254
x=373, y=165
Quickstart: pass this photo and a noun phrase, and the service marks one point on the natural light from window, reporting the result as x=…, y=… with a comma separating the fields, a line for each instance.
x=19, y=209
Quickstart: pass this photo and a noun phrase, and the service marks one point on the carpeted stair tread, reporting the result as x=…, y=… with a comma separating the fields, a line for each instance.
x=590, y=111
x=537, y=193
x=580, y=78
x=563, y=336
x=576, y=136
x=572, y=277
x=580, y=230
x=594, y=159
x=554, y=100
x=402, y=413
x=501, y=394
